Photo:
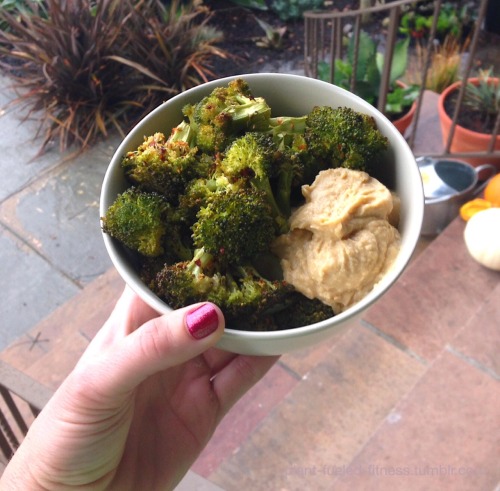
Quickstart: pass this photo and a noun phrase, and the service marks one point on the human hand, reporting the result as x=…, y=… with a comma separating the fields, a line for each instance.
x=140, y=405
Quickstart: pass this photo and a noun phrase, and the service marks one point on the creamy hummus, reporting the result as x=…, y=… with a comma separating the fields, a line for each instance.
x=343, y=240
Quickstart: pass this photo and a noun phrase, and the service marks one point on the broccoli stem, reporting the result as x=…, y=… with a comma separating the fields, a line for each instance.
x=284, y=129
x=280, y=217
x=201, y=262
x=284, y=189
x=183, y=132
x=251, y=115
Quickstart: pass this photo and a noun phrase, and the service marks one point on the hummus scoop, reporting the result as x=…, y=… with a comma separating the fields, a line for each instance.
x=341, y=241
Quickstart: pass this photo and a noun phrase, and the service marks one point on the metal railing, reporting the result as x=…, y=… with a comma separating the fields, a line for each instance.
x=21, y=399
x=325, y=36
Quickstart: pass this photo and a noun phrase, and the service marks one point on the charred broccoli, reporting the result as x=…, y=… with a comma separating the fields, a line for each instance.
x=342, y=137
x=240, y=292
x=165, y=165
x=138, y=220
x=254, y=158
x=199, y=192
x=235, y=226
x=226, y=113
x=302, y=311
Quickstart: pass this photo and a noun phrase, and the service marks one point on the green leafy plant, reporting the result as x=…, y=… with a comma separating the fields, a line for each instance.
x=273, y=36
x=88, y=67
x=294, y=9
x=417, y=21
x=251, y=4
x=484, y=98
x=171, y=47
x=15, y=7
x=444, y=68
x=368, y=74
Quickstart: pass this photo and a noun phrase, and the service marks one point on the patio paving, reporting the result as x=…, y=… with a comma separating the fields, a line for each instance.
x=50, y=242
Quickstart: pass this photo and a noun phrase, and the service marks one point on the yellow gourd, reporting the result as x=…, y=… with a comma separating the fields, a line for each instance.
x=469, y=209
x=482, y=237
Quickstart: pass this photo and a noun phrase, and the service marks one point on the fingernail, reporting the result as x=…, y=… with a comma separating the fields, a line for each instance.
x=203, y=321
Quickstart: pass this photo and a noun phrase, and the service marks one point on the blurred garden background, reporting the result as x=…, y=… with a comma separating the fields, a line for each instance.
x=87, y=68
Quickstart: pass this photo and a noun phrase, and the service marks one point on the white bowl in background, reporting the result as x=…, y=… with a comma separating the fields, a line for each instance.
x=288, y=95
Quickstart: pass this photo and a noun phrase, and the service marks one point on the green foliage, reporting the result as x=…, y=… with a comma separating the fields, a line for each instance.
x=368, y=74
x=273, y=36
x=251, y=4
x=458, y=22
x=88, y=67
x=484, y=97
x=444, y=67
x=294, y=9
x=16, y=7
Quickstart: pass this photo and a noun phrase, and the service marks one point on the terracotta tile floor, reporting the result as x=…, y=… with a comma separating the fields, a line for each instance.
x=407, y=399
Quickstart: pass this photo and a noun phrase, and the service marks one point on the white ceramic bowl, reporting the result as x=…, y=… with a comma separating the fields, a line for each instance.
x=291, y=95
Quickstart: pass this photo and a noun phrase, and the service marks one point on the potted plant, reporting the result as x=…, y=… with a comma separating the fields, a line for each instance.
x=400, y=104
x=444, y=67
x=476, y=118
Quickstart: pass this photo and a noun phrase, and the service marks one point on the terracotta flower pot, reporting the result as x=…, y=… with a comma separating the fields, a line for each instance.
x=404, y=121
x=465, y=140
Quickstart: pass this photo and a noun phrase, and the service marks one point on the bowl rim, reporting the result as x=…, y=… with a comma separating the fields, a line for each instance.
x=129, y=275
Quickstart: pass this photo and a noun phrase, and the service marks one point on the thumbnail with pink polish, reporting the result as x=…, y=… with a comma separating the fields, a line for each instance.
x=202, y=322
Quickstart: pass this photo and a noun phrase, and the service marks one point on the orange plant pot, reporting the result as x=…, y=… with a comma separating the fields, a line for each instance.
x=465, y=140
x=404, y=122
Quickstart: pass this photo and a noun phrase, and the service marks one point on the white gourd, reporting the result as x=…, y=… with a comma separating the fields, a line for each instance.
x=482, y=237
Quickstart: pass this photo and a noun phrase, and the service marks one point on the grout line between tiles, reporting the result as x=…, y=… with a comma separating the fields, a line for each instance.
x=44, y=175
x=289, y=370
x=400, y=403
x=28, y=244
x=473, y=362
x=391, y=340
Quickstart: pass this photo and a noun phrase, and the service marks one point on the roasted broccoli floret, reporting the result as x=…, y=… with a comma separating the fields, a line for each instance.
x=288, y=131
x=254, y=158
x=225, y=113
x=341, y=137
x=138, y=220
x=235, y=226
x=274, y=294
x=177, y=242
x=302, y=311
x=199, y=192
x=187, y=282
x=164, y=165
x=241, y=293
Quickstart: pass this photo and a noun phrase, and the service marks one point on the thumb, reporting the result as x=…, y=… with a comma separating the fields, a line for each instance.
x=161, y=343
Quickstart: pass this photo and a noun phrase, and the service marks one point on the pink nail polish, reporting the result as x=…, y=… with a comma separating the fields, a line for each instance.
x=202, y=322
